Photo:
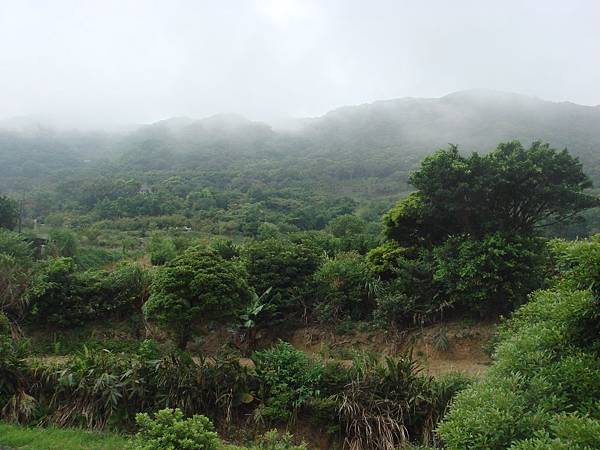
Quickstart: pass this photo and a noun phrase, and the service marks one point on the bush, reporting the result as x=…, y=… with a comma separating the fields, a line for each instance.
x=389, y=404
x=345, y=288
x=385, y=259
x=15, y=272
x=168, y=430
x=491, y=275
x=352, y=233
x=61, y=295
x=272, y=440
x=63, y=242
x=545, y=366
x=567, y=432
x=15, y=403
x=283, y=266
x=197, y=284
x=576, y=264
x=162, y=249
x=288, y=378
x=13, y=244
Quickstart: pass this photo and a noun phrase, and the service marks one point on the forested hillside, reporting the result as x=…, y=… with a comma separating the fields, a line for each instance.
x=227, y=175
x=191, y=308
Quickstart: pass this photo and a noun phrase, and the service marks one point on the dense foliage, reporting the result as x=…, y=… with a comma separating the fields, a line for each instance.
x=9, y=212
x=169, y=430
x=197, y=284
x=196, y=260
x=510, y=190
x=543, y=388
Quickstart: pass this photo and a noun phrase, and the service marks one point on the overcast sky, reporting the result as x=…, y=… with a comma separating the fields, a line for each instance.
x=104, y=62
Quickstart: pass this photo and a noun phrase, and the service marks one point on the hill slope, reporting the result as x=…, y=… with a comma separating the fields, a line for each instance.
x=341, y=150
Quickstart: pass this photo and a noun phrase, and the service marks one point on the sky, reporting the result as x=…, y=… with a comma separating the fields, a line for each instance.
x=99, y=63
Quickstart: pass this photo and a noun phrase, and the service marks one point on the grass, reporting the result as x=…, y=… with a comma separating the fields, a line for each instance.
x=36, y=438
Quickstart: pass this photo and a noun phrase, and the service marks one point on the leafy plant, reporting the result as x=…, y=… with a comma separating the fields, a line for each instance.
x=545, y=365
x=288, y=378
x=197, y=284
x=167, y=429
x=254, y=314
x=345, y=288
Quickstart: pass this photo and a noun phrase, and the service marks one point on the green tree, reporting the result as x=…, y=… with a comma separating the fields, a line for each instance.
x=283, y=266
x=512, y=190
x=64, y=242
x=15, y=272
x=345, y=287
x=490, y=275
x=199, y=284
x=162, y=249
x=352, y=233
x=9, y=212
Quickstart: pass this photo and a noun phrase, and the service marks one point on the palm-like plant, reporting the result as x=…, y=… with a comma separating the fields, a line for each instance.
x=257, y=308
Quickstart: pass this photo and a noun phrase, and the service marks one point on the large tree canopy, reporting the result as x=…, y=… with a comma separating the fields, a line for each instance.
x=199, y=284
x=511, y=190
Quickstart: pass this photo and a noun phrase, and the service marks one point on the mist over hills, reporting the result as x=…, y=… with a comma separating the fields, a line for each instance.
x=379, y=139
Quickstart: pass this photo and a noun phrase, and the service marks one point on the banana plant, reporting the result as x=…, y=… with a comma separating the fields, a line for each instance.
x=254, y=312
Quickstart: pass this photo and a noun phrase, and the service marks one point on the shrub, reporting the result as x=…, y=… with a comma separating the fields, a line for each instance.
x=352, y=233
x=98, y=387
x=385, y=259
x=566, y=432
x=283, y=266
x=161, y=249
x=63, y=242
x=197, y=284
x=576, y=264
x=168, y=430
x=389, y=404
x=226, y=248
x=61, y=295
x=15, y=272
x=288, y=378
x=491, y=275
x=13, y=244
x=545, y=366
x=5, y=327
x=272, y=440
x=15, y=403
x=345, y=287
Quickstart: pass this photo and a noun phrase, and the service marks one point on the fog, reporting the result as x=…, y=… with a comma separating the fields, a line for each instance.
x=106, y=63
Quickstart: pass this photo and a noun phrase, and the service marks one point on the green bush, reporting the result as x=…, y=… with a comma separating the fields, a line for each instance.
x=15, y=273
x=352, y=233
x=162, y=249
x=283, y=266
x=488, y=276
x=15, y=403
x=63, y=242
x=491, y=275
x=566, y=432
x=288, y=378
x=272, y=440
x=545, y=366
x=5, y=327
x=167, y=429
x=385, y=259
x=197, y=284
x=13, y=244
x=345, y=288
x=60, y=294
x=576, y=264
